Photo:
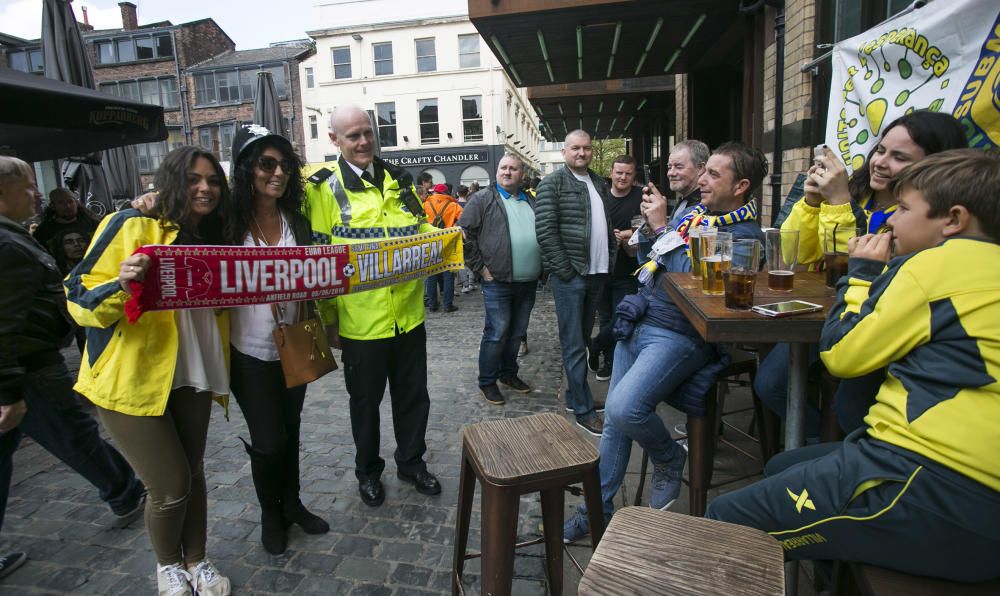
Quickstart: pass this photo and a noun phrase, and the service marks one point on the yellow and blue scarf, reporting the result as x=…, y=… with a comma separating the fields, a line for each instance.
x=698, y=218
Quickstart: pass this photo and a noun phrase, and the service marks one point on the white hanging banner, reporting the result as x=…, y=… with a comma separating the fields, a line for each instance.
x=944, y=57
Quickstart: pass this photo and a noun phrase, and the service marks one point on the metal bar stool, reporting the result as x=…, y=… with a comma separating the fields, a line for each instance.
x=511, y=457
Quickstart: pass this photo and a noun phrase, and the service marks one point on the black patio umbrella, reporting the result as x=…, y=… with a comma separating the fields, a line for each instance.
x=44, y=119
x=266, y=107
x=66, y=60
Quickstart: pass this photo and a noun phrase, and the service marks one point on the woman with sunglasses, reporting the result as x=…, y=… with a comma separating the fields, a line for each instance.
x=848, y=206
x=153, y=381
x=267, y=196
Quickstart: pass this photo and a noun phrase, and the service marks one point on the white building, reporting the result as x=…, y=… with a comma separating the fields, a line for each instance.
x=443, y=103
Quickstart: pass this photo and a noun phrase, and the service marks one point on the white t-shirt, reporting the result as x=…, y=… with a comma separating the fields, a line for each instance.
x=200, y=360
x=598, y=228
x=250, y=326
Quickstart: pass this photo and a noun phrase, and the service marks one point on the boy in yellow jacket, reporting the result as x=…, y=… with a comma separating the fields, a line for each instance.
x=924, y=470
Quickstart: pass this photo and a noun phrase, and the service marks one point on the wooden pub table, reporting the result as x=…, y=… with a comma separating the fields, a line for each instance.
x=718, y=324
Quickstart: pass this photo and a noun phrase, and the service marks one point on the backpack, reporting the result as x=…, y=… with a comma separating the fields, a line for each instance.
x=438, y=221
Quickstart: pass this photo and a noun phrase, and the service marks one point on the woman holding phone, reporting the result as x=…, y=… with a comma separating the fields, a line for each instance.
x=836, y=204
x=153, y=380
x=267, y=196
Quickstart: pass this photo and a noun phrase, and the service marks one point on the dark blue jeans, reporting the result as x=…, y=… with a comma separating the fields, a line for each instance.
x=576, y=303
x=447, y=284
x=508, y=310
x=616, y=289
x=59, y=424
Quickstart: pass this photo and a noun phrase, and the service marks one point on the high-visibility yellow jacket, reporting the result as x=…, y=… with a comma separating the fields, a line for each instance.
x=360, y=213
x=931, y=318
x=126, y=367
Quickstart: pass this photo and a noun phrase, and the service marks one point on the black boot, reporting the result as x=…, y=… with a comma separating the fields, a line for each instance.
x=268, y=473
x=292, y=507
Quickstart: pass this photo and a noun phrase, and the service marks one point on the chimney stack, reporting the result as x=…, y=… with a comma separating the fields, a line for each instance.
x=85, y=25
x=129, y=19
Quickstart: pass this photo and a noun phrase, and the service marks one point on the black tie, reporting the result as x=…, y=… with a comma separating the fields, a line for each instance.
x=367, y=177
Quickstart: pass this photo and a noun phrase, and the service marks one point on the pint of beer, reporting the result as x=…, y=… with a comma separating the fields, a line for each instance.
x=835, y=255
x=782, y=247
x=742, y=276
x=694, y=244
x=716, y=257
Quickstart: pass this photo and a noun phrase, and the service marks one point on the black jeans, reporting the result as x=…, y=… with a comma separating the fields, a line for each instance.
x=616, y=289
x=368, y=364
x=57, y=422
x=8, y=445
x=268, y=406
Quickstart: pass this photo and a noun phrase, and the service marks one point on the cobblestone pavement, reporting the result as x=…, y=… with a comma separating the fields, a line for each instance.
x=402, y=547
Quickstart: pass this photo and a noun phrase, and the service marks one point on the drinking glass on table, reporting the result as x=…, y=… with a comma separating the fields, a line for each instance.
x=782, y=247
x=694, y=243
x=742, y=275
x=835, y=256
x=716, y=256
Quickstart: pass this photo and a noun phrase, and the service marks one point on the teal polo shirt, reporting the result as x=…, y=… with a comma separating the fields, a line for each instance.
x=525, y=255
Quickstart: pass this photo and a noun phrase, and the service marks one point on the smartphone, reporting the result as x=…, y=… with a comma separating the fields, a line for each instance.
x=818, y=152
x=787, y=309
x=646, y=173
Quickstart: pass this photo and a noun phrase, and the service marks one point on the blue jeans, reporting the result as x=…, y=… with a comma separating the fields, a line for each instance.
x=447, y=284
x=576, y=303
x=771, y=384
x=648, y=367
x=59, y=424
x=508, y=310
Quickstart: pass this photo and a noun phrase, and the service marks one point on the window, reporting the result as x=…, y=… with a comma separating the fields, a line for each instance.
x=204, y=90
x=313, y=128
x=472, y=118
x=232, y=86
x=383, y=58
x=341, y=63
x=426, y=56
x=27, y=61
x=151, y=154
x=310, y=81
x=132, y=48
x=468, y=51
x=386, y=115
x=475, y=174
x=428, y=109
x=218, y=139
x=160, y=92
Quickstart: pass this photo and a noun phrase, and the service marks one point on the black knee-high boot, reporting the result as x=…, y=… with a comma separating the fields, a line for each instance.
x=268, y=479
x=292, y=507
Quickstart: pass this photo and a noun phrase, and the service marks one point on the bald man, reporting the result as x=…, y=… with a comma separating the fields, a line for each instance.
x=578, y=248
x=355, y=199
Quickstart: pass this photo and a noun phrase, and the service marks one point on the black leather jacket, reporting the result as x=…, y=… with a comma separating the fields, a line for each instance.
x=34, y=323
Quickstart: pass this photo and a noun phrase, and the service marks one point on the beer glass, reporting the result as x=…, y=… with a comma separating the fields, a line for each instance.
x=742, y=275
x=782, y=247
x=694, y=243
x=835, y=256
x=716, y=256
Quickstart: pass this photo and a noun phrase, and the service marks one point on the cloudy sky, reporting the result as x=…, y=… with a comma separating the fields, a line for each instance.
x=251, y=23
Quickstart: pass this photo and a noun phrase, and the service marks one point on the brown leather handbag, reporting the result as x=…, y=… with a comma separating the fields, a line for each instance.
x=303, y=348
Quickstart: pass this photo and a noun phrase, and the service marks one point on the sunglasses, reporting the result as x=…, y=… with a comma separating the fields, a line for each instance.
x=269, y=164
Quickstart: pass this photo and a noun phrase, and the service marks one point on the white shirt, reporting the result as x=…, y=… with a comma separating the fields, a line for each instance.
x=200, y=360
x=250, y=326
x=370, y=169
x=598, y=228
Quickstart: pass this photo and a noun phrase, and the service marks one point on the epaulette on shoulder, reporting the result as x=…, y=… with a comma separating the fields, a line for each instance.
x=319, y=176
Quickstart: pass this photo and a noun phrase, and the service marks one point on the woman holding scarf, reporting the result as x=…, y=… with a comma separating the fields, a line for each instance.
x=267, y=196
x=153, y=380
x=836, y=204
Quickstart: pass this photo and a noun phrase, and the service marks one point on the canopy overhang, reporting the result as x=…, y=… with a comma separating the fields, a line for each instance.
x=628, y=46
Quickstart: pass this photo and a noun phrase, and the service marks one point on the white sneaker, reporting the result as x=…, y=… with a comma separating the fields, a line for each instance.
x=208, y=581
x=172, y=580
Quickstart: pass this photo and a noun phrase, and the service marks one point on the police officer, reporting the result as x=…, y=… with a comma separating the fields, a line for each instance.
x=357, y=198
